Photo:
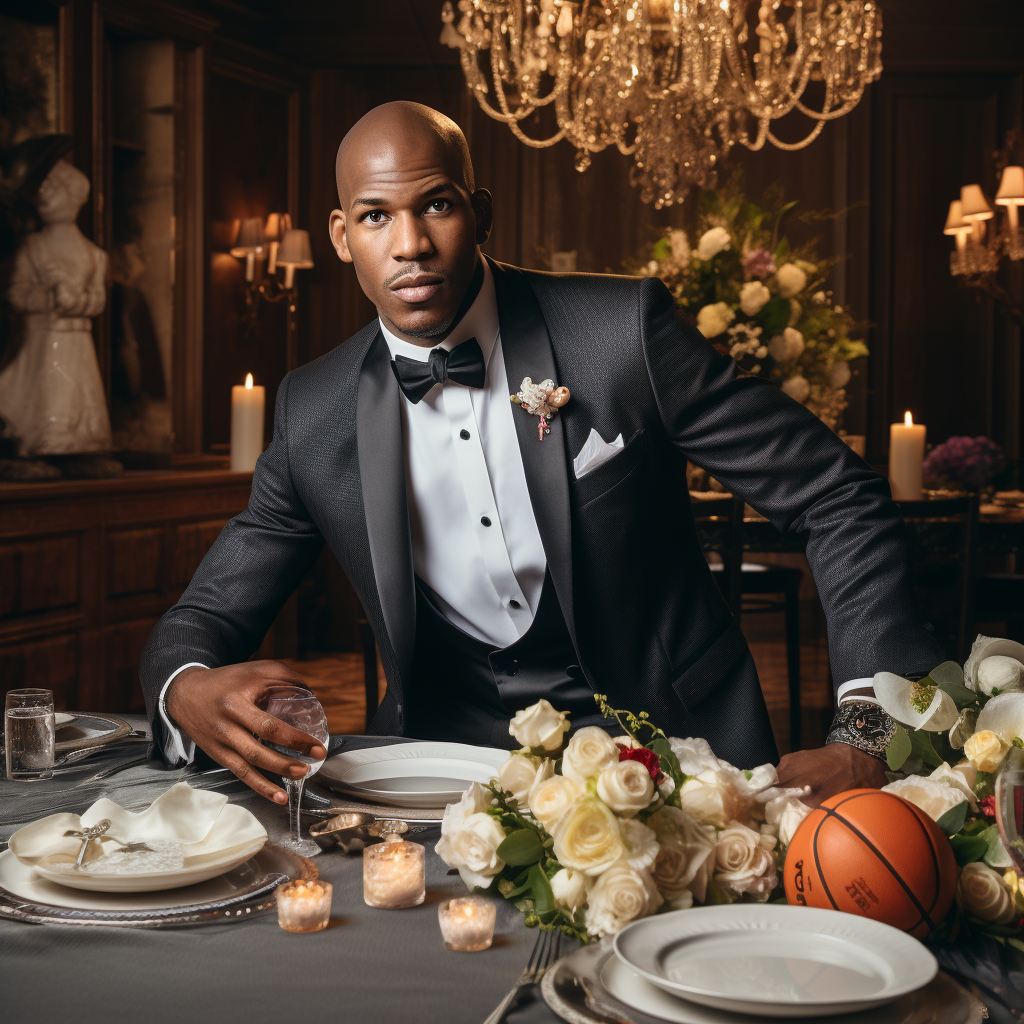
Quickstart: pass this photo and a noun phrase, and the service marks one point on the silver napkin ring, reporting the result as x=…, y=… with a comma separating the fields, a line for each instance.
x=864, y=725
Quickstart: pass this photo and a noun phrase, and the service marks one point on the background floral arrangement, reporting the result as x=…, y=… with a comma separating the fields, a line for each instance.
x=964, y=463
x=606, y=831
x=956, y=728
x=759, y=300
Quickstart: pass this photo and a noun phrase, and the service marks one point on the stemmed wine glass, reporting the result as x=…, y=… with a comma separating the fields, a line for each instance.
x=300, y=709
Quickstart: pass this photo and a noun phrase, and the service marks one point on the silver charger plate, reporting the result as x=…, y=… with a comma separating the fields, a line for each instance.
x=236, y=895
x=86, y=730
x=592, y=986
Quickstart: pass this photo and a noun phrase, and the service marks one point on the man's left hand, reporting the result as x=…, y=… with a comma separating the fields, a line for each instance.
x=831, y=769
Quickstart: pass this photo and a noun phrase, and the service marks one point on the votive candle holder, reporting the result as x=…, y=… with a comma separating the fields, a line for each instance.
x=304, y=906
x=467, y=923
x=393, y=874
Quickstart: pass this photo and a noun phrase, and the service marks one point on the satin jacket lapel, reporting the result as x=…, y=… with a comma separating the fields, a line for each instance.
x=526, y=348
x=382, y=476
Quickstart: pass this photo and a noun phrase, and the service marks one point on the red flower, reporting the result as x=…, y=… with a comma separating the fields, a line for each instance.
x=648, y=758
x=988, y=806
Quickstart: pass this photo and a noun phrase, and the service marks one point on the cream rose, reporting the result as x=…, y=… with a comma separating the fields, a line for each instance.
x=797, y=388
x=932, y=796
x=626, y=787
x=839, y=375
x=709, y=797
x=569, y=889
x=981, y=892
x=961, y=778
x=713, y=320
x=694, y=754
x=985, y=750
x=791, y=280
x=472, y=849
x=622, y=894
x=474, y=800
x=589, y=752
x=1000, y=673
x=712, y=242
x=685, y=857
x=787, y=345
x=539, y=726
x=640, y=842
x=519, y=773
x=587, y=838
x=743, y=860
x=785, y=814
x=551, y=798
x=753, y=297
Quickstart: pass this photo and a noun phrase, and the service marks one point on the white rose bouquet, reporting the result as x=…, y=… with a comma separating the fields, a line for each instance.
x=758, y=299
x=589, y=835
x=954, y=730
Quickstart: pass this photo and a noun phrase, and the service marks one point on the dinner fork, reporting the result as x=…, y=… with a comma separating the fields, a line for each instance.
x=546, y=951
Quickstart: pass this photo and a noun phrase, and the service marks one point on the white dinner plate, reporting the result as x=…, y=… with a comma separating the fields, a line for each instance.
x=62, y=718
x=24, y=881
x=774, y=960
x=88, y=731
x=422, y=774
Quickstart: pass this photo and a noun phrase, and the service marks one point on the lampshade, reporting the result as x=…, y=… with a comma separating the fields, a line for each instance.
x=955, y=220
x=295, y=250
x=974, y=204
x=250, y=240
x=277, y=224
x=1011, y=188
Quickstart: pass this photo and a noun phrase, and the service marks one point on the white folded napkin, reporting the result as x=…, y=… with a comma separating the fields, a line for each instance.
x=202, y=822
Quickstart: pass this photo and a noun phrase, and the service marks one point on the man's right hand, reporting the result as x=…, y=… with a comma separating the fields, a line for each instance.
x=218, y=708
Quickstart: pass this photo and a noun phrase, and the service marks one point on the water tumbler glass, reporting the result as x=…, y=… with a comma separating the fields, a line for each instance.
x=29, y=734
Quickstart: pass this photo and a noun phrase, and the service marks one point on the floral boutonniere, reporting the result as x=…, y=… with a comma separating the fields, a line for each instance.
x=543, y=400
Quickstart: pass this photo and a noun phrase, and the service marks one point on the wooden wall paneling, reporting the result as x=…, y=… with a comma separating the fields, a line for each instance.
x=135, y=562
x=51, y=664
x=933, y=343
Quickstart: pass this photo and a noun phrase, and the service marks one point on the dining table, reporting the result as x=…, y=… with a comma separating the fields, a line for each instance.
x=375, y=965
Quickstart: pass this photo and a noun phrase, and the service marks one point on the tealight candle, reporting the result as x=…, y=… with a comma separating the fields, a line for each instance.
x=304, y=906
x=467, y=923
x=393, y=874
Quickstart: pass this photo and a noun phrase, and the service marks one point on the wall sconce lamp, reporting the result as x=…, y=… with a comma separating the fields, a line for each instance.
x=284, y=247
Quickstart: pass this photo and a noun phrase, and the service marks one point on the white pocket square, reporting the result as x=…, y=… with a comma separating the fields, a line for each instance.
x=595, y=452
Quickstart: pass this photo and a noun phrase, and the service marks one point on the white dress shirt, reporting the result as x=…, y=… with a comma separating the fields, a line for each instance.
x=475, y=541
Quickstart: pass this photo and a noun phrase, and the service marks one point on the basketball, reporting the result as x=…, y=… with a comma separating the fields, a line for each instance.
x=875, y=854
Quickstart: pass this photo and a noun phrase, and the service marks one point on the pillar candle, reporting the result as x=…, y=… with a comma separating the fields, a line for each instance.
x=247, y=405
x=906, y=455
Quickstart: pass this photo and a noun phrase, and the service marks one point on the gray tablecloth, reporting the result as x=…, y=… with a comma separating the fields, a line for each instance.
x=372, y=965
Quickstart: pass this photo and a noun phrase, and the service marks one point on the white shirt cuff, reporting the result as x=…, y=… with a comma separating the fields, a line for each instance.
x=177, y=746
x=844, y=694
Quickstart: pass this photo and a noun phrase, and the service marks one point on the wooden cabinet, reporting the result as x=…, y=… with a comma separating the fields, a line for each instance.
x=87, y=567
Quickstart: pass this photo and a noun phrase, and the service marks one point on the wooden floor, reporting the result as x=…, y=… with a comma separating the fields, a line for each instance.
x=338, y=681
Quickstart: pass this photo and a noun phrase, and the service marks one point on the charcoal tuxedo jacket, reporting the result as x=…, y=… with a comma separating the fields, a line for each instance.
x=650, y=628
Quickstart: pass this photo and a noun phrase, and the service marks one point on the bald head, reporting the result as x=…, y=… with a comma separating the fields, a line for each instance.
x=401, y=134
x=411, y=218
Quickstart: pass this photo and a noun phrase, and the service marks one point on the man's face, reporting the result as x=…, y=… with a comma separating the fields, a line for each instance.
x=410, y=227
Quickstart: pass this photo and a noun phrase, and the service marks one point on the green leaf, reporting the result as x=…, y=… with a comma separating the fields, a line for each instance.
x=953, y=820
x=898, y=750
x=921, y=743
x=950, y=678
x=996, y=852
x=968, y=849
x=521, y=847
x=543, y=897
x=1016, y=943
x=774, y=317
x=668, y=761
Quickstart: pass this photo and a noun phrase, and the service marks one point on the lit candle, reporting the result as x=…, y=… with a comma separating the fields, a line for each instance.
x=247, y=406
x=393, y=875
x=304, y=906
x=467, y=923
x=906, y=455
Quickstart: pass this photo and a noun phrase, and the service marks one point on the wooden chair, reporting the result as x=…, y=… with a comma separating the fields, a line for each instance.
x=964, y=510
x=748, y=588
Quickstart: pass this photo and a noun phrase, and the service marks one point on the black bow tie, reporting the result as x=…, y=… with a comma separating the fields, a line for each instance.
x=464, y=365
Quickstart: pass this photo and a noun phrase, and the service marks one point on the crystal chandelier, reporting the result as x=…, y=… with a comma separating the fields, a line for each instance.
x=674, y=83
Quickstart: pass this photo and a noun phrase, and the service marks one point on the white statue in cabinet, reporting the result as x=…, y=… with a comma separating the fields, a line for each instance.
x=51, y=393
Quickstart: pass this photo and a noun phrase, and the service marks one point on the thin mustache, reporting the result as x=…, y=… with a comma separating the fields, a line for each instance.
x=414, y=272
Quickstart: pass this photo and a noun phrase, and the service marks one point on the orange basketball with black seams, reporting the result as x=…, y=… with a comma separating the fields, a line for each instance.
x=875, y=854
